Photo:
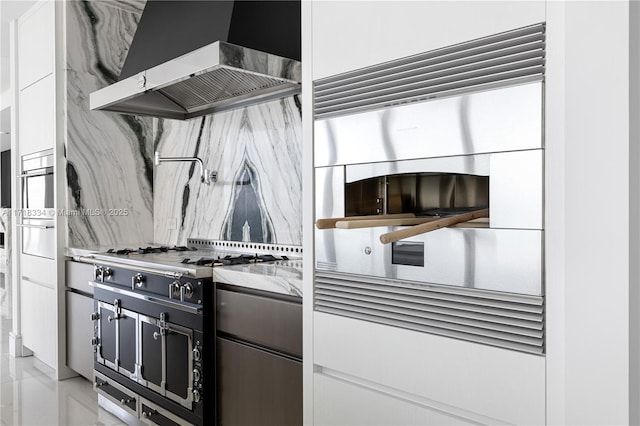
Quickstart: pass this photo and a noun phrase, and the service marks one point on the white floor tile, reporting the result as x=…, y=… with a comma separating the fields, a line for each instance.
x=30, y=396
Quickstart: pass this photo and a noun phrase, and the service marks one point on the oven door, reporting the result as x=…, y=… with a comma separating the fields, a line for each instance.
x=38, y=237
x=117, y=336
x=37, y=181
x=166, y=357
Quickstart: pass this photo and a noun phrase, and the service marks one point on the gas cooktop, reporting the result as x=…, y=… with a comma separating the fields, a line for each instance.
x=197, y=258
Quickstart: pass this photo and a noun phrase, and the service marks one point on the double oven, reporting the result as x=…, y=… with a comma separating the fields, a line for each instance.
x=153, y=344
x=37, y=215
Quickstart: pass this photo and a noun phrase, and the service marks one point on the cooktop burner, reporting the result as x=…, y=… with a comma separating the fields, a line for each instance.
x=241, y=259
x=149, y=249
x=197, y=258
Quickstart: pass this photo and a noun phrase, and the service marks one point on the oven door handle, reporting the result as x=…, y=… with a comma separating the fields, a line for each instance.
x=26, y=225
x=182, y=306
x=37, y=172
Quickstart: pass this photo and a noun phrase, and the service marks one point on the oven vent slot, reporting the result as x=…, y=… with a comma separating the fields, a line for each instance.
x=505, y=320
x=504, y=59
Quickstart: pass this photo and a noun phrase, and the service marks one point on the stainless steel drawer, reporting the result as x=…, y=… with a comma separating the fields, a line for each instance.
x=256, y=387
x=270, y=322
x=79, y=275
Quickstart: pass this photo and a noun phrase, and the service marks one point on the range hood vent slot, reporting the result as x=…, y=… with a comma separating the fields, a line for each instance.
x=214, y=78
x=500, y=60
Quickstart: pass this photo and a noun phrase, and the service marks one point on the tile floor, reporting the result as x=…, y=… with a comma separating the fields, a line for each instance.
x=29, y=395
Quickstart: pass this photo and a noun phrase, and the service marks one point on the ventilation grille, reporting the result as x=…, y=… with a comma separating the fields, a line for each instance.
x=219, y=85
x=509, y=58
x=506, y=320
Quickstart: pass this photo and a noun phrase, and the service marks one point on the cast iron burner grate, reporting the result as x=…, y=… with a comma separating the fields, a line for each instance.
x=242, y=259
x=149, y=249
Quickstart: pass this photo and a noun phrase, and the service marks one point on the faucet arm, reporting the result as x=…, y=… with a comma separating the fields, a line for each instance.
x=204, y=173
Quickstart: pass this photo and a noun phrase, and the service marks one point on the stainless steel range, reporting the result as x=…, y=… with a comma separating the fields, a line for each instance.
x=154, y=321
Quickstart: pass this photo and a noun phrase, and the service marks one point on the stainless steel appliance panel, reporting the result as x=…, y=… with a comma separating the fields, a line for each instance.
x=38, y=184
x=266, y=321
x=78, y=276
x=257, y=387
x=38, y=237
x=516, y=185
x=481, y=258
x=505, y=119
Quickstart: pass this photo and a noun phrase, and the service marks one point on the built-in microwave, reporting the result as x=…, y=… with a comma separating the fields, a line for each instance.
x=38, y=213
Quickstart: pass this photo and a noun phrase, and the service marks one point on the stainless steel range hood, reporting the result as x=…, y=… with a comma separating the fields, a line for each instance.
x=216, y=77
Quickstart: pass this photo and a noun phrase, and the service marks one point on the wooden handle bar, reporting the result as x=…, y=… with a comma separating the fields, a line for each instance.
x=353, y=224
x=331, y=222
x=391, y=237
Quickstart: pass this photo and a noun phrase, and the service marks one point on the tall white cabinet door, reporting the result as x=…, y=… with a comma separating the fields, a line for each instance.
x=35, y=44
x=38, y=307
x=37, y=116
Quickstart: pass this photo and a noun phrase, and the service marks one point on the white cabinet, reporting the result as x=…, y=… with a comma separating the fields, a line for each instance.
x=36, y=44
x=337, y=402
x=38, y=309
x=37, y=116
x=479, y=380
x=348, y=35
x=39, y=325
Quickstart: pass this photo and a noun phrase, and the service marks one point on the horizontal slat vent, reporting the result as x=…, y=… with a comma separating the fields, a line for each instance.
x=506, y=320
x=504, y=59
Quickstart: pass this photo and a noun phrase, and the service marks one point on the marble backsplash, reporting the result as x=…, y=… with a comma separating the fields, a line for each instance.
x=109, y=157
x=257, y=153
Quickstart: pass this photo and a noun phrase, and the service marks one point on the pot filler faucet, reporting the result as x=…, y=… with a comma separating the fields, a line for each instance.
x=206, y=176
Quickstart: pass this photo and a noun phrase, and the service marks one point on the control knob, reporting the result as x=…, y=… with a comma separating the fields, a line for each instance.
x=196, y=354
x=196, y=395
x=196, y=375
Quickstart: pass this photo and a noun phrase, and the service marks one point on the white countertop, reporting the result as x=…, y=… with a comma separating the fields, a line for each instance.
x=282, y=276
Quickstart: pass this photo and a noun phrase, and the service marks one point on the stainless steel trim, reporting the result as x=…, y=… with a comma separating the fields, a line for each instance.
x=24, y=225
x=506, y=260
x=240, y=246
x=113, y=364
x=504, y=320
x=508, y=119
x=174, y=328
x=171, y=274
x=151, y=321
x=170, y=328
x=36, y=172
x=213, y=78
x=124, y=313
x=183, y=306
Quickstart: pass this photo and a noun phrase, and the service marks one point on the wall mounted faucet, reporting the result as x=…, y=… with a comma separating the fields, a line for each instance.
x=206, y=176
